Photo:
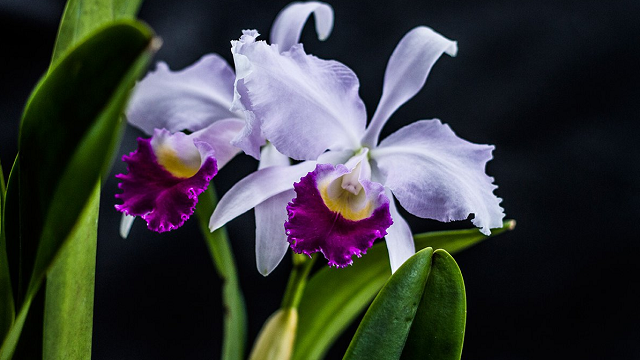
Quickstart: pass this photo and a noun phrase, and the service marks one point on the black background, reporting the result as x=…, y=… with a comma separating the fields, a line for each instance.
x=553, y=84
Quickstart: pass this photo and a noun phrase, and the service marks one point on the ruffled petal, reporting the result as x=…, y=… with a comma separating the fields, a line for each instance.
x=399, y=239
x=338, y=225
x=435, y=174
x=157, y=188
x=189, y=99
x=288, y=25
x=406, y=74
x=254, y=189
x=304, y=105
x=271, y=240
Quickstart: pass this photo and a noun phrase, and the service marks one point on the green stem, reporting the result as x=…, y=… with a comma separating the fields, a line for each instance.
x=297, y=280
x=235, y=317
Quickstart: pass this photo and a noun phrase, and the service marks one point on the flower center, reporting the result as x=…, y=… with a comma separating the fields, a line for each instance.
x=344, y=195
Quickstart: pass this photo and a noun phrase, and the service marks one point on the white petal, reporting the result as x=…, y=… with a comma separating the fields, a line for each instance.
x=399, y=238
x=322, y=109
x=437, y=175
x=406, y=74
x=125, y=225
x=191, y=99
x=256, y=188
x=219, y=135
x=290, y=21
x=271, y=240
x=269, y=156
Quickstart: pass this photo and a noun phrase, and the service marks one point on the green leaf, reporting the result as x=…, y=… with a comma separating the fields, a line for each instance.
x=235, y=317
x=385, y=326
x=457, y=240
x=70, y=129
x=81, y=17
x=420, y=313
x=333, y=298
x=325, y=314
x=437, y=331
x=7, y=307
x=68, y=313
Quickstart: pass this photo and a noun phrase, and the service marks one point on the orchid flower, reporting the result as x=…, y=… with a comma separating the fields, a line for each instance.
x=309, y=109
x=168, y=171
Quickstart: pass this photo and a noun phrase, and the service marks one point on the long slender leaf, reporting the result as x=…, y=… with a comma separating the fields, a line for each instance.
x=68, y=314
x=325, y=314
x=457, y=240
x=385, y=326
x=7, y=307
x=235, y=317
x=420, y=313
x=81, y=17
x=70, y=128
x=437, y=331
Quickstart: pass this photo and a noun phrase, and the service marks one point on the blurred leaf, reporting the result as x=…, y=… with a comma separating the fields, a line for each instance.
x=70, y=129
x=385, y=326
x=421, y=311
x=68, y=313
x=235, y=316
x=437, y=331
x=10, y=228
x=457, y=240
x=333, y=298
x=7, y=308
x=81, y=17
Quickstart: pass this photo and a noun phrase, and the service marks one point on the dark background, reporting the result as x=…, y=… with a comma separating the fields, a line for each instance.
x=553, y=84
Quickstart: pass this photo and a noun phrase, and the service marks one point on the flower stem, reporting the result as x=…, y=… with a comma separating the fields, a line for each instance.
x=297, y=280
x=235, y=317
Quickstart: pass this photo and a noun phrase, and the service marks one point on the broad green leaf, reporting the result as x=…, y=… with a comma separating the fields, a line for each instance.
x=235, y=317
x=68, y=312
x=7, y=308
x=437, y=331
x=333, y=298
x=420, y=313
x=81, y=17
x=70, y=129
x=385, y=326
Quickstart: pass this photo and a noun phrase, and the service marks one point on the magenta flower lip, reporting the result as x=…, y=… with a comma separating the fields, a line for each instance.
x=163, y=200
x=313, y=227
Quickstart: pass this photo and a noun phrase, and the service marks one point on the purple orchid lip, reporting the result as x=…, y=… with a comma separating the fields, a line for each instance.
x=155, y=194
x=312, y=226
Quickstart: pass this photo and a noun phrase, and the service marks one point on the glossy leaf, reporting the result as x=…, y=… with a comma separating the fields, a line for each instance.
x=437, y=331
x=235, y=317
x=386, y=325
x=420, y=313
x=81, y=17
x=70, y=129
x=325, y=314
x=68, y=313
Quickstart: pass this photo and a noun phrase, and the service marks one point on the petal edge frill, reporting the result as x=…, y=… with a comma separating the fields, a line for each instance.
x=153, y=193
x=435, y=174
x=312, y=226
x=323, y=109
